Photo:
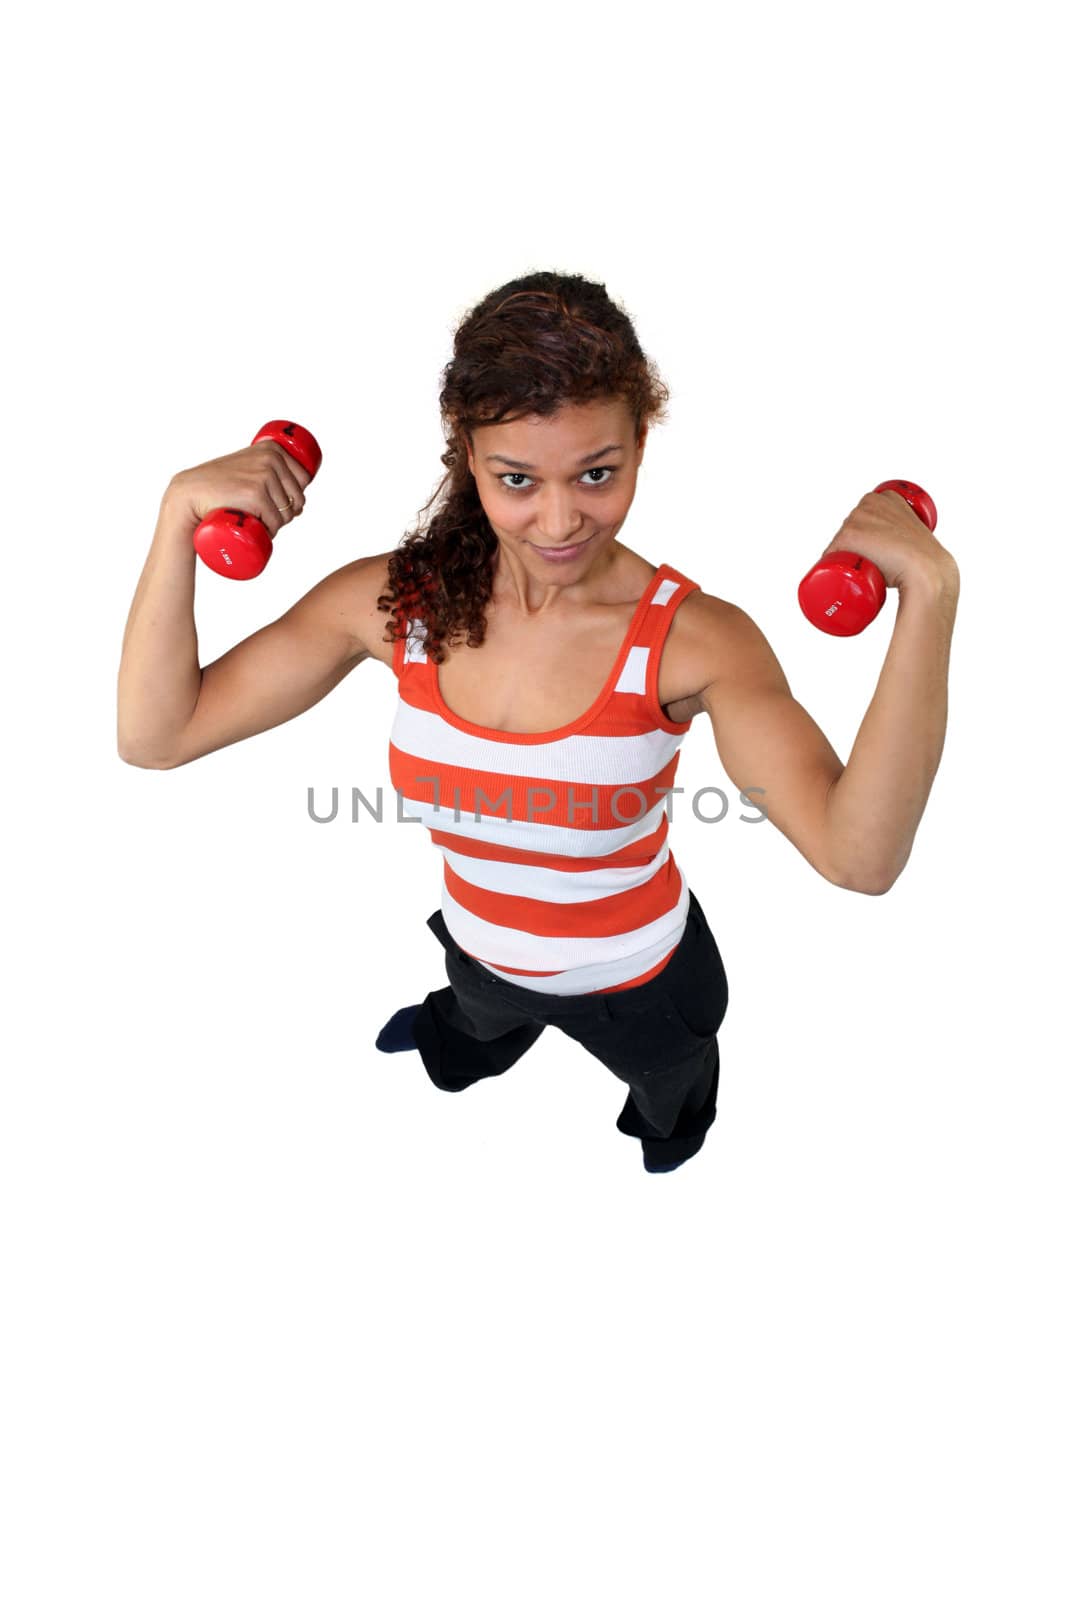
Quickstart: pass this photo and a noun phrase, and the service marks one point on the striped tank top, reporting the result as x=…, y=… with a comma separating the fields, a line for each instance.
x=558, y=875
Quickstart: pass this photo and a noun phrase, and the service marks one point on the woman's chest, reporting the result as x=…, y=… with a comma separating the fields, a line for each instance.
x=526, y=679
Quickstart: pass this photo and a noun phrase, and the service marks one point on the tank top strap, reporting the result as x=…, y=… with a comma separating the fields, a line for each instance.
x=667, y=595
x=399, y=653
x=408, y=648
x=640, y=676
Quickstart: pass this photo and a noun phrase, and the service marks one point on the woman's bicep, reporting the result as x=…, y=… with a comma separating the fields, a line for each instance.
x=277, y=673
x=768, y=743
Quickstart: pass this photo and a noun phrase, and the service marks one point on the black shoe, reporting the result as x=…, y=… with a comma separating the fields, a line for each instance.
x=659, y=1161
x=397, y=1034
x=664, y=1166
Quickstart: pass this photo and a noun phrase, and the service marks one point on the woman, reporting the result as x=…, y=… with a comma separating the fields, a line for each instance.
x=541, y=751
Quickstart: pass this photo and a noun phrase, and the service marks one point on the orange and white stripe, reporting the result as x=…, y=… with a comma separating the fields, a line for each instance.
x=557, y=871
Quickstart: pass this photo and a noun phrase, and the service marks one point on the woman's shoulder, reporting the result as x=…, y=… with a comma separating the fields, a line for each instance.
x=355, y=589
x=700, y=642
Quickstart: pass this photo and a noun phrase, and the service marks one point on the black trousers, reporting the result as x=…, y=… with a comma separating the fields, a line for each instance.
x=660, y=1038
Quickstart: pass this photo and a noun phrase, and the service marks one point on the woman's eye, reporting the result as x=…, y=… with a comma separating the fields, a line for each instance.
x=511, y=488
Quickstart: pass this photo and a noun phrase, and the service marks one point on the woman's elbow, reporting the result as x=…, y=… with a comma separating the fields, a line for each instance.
x=133, y=757
x=876, y=884
x=867, y=882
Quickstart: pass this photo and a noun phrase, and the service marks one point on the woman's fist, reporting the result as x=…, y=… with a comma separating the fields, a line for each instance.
x=262, y=480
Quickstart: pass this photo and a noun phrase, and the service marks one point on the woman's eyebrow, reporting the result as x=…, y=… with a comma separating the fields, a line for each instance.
x=528, y=466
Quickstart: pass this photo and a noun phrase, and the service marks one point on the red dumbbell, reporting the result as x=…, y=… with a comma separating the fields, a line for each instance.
x=235, y=543
x=844, y=592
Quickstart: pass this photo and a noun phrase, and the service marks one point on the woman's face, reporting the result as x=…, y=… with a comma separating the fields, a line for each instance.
x=540, y=493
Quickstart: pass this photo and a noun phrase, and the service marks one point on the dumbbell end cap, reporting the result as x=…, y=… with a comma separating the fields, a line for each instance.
x=301, y=445
x=842, y=594
x=917, y=498
x=233, y=543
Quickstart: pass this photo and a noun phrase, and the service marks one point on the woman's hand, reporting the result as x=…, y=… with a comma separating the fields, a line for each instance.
x=884, y=529
x=263, y=480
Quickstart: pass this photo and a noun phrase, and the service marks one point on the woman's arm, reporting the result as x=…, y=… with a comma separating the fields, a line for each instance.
x=159, y=670
x=769, y=745
x=172, y=711
x=854, y=823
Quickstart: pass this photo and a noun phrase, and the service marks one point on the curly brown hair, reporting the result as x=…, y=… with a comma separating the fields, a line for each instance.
x=537, y=343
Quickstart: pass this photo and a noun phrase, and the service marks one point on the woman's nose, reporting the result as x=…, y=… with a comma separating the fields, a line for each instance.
x=559, y=519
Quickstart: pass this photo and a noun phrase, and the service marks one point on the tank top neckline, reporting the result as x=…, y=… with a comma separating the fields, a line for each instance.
x=578, y=722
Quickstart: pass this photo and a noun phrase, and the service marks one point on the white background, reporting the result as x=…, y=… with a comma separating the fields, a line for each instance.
x=281, y=1319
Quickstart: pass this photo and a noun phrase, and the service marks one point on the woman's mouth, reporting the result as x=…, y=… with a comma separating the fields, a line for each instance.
x=563, y=552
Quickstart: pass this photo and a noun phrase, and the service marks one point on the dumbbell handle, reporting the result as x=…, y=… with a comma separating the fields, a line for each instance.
x=844, y=592
x=236, y=544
